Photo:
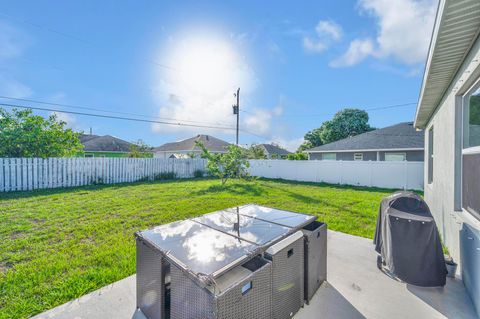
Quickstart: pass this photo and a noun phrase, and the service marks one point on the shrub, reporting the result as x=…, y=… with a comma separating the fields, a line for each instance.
x=164, y=176
x=232, y=164
x=198, y=173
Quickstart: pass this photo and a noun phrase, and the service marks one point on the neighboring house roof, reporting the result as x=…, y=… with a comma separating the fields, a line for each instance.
x=179, y=156
x=274, y=149
x=106, y=143
x=399, y=136
x=211, y=143
x=457, y=26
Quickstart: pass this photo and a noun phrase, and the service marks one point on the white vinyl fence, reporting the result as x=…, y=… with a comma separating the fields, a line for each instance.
x=17, y=174
x=400, y=175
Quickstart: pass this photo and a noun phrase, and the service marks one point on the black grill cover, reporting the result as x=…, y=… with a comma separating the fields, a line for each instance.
x=408, y=241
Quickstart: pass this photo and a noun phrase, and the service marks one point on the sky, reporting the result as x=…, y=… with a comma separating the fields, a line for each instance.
x=296, y=63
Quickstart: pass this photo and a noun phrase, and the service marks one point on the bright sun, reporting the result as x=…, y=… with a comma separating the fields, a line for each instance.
x=205, y=65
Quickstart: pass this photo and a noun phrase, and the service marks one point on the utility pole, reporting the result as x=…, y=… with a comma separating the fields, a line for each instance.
x=236, y=110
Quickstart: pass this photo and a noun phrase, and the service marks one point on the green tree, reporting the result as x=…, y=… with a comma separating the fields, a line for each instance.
x=139, y=149
x=23, y=134
x=345, y=123
x=255, y=151
x=232, y=164
x=299, y=156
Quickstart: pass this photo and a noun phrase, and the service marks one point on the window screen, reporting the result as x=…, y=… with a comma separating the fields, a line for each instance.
x=471, y=132
x=395, y=157
x=471, y=184
x=358, y=156
x=329, y=156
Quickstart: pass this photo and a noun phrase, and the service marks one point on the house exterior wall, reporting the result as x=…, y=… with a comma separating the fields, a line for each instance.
x=443, y=194
x=109, y=154
x=412, y=156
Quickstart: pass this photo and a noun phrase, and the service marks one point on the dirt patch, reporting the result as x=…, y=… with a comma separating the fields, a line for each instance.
x=16, y=234
x=5, y=266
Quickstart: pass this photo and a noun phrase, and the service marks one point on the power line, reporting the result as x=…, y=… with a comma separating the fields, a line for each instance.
x=99, y=110
x=365, y=109
x=117, y=117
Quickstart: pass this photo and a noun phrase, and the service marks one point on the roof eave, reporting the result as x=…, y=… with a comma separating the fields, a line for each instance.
x=440, y=8
x=445, y=56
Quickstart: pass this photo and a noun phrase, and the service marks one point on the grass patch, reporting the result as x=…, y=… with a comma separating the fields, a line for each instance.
x=57, y=245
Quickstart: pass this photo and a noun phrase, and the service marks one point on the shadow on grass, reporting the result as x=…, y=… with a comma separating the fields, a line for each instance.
x=247, y=188
x=250, y=188
x=337, y=186
x=77, y=189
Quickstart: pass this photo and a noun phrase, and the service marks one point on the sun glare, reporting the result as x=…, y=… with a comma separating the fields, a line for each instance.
x=204, y=65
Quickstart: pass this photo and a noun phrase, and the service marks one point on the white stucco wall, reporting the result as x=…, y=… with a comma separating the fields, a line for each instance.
x=440, y=195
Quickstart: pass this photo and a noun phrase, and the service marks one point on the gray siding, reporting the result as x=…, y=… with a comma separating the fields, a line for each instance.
x=412, y=156
x=442, y=194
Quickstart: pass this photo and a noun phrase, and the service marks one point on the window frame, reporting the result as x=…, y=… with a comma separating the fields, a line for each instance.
x=355, y=155
x=430, y=154
x=404, y=154
x=470, y=150
x=466, y=117
x=329, y=159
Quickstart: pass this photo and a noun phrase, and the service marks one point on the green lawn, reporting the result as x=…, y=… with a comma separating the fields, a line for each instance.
x=57, y=245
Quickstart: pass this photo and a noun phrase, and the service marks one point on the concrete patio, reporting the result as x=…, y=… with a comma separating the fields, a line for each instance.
x=355, y=289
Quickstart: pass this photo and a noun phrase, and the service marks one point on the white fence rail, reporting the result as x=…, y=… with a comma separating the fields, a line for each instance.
x=401, y=175
x=20, y=174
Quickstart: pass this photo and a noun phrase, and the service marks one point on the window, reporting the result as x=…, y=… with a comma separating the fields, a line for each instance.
x=471, y=152
x=329, y=156
x=358, y=157
x=471, y=119
x=430, y=155
x=395, y=156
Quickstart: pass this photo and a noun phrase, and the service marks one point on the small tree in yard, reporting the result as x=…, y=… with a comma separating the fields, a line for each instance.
x=232, y=164
x=138, y=149
x=23, y=134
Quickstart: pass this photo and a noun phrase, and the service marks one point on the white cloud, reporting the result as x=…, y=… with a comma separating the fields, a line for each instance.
x=358, y=50
x=327, y=32
x=405, y=27
x=12, y=41
x=404, y=31
x=329, y=28
x=259, y=121
x=12, y=44
x=70, y=119
x=313, y=46
x=13, y=88
x=289, y=144
x=200, y=89
x=67, y=118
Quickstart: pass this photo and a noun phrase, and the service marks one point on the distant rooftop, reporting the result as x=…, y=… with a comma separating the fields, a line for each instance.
x=106, y=143
x=399, y=136
x=274, y=149
x=211, y=143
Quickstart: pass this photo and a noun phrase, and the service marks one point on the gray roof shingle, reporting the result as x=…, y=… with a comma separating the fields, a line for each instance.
x=398, y=136
x=274, y=149
x=106, y=143
x=211, y=143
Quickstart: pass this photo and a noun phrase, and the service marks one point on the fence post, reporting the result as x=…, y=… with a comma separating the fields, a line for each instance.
x=406, y=174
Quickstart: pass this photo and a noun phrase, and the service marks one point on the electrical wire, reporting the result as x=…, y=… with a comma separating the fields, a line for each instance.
x=117, y=117
x=100, y=110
